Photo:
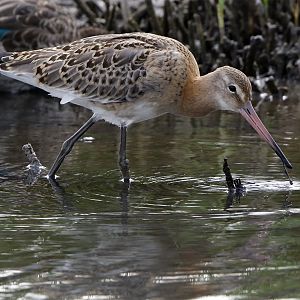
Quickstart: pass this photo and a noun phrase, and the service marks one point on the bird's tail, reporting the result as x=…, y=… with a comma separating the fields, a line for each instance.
x=19, y=69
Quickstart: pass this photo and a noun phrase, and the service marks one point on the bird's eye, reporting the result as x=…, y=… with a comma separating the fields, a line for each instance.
x=232, y=88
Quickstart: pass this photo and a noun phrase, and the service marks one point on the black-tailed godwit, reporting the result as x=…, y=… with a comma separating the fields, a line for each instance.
x=132, y=77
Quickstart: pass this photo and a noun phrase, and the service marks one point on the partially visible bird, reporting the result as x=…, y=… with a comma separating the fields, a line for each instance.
x=129, y=78
x=35, y=24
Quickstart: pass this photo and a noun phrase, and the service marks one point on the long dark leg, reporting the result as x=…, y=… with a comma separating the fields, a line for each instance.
x=123, y=162
x=68, y=145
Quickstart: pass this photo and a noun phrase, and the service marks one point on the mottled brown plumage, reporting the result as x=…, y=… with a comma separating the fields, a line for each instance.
x=110, y=69
x=34, y=24
x=128, y=78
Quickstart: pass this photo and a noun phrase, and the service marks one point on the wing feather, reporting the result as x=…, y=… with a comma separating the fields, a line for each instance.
x=108, y=69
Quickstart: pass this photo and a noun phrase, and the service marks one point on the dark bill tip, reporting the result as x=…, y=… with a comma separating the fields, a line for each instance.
x=251, y=116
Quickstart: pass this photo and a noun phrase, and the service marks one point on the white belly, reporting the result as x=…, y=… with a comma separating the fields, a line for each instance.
x=123, y=113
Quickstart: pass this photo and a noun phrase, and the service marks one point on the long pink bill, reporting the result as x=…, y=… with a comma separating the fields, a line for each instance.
x=251, y=116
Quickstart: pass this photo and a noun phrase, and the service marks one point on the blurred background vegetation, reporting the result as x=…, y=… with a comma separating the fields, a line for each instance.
x=260, y=37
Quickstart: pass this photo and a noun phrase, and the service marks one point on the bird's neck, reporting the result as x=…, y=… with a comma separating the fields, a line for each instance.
x=198, y=97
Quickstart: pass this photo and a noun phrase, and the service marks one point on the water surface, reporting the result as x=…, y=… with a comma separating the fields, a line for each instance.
x=175, y=234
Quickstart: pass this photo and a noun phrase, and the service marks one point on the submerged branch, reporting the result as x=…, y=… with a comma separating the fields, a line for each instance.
x=229, y=179
x=35, y=168
x=31, y=156
x=236, y=189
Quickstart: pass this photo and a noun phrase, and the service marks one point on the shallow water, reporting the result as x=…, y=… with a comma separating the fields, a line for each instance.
x=176, y=234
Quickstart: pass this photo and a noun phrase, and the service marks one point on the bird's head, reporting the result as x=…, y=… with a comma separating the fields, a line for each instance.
x=232, y=88
x=233, y=92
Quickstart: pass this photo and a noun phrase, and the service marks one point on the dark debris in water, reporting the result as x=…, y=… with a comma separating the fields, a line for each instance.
x=232, y=184
x=236, y=189
x=35, y=169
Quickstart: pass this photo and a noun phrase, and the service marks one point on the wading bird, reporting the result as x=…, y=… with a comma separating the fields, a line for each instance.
x=132, y=77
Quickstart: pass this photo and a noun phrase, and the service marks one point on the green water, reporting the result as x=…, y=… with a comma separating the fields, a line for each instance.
x=173, y=235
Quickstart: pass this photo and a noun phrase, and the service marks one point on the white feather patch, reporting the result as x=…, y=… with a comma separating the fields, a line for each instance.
x=24, y=77
x=65, y=95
